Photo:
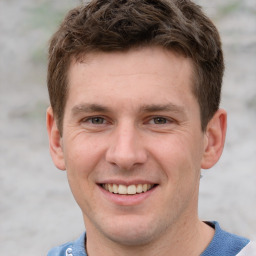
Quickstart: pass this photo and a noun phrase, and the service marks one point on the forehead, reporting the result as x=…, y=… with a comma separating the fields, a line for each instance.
x=143, y=56
x=150, y=73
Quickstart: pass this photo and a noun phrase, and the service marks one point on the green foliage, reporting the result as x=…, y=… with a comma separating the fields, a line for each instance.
x=45, y=16
x=229, y=8
x=43, y=19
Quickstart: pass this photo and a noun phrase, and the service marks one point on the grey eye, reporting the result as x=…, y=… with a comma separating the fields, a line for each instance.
x=97, y=120
x=160, y=120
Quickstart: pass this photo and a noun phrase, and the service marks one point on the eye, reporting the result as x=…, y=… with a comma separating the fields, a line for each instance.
x=97, y=120
x=159, y=120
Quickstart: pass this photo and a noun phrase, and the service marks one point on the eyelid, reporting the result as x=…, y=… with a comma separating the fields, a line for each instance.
x=148, y=120
x=90, y=118
x=168, y=120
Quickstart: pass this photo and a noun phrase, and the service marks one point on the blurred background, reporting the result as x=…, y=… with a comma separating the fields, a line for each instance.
x=37, y=210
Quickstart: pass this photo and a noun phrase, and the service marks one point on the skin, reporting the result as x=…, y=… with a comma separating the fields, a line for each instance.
x=131, y=118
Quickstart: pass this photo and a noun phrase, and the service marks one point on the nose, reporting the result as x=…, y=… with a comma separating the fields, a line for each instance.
x=126, y=149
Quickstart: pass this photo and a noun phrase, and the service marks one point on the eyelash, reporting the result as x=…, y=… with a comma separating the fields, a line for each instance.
x=160, y=119
x=93, y=118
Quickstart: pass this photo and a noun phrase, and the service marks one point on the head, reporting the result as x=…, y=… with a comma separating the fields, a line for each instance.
x=118, y=26
x=134, y=88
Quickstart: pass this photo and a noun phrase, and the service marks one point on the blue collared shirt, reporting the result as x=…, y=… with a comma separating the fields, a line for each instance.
x=223, y=243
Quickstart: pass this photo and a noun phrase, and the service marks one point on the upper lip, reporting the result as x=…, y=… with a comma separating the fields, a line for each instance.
x=127, y=182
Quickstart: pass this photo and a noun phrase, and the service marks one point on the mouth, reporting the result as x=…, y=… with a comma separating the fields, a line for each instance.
x=127, y=190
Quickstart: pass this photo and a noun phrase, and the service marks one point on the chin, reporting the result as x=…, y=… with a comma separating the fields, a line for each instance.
x=132, y=233
x=131, y=238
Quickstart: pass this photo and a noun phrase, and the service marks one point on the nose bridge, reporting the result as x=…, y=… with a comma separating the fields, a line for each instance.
x=126, y=147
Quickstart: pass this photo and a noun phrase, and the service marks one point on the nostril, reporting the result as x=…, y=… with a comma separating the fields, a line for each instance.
x=126, y=160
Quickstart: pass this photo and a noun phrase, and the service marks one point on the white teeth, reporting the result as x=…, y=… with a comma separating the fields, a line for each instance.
x=115, y=188
x=122, y=190
x=110, y=188
x=144, y=187
x=127, y=190
x=131, y=190
x=139, y=188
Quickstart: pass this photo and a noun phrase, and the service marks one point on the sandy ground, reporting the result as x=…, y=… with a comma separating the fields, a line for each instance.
x=37, y=210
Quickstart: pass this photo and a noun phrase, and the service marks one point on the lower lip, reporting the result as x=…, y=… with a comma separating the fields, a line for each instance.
x=127, y=200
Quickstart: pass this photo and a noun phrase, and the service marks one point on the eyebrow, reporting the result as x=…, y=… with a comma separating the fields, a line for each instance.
x=88, y=108
x=164, y=107
x=91, y=108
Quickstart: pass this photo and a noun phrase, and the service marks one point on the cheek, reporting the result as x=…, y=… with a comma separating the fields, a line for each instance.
x=82, y=153
x=82, y=158
x=179, y=157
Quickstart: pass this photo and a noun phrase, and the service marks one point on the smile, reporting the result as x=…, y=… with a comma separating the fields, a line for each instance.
x=127, y=190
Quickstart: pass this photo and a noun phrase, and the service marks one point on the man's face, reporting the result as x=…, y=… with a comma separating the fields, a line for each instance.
x=132, y=143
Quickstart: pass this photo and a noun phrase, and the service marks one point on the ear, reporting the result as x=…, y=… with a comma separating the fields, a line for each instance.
x=214, y=139
x=55, y=141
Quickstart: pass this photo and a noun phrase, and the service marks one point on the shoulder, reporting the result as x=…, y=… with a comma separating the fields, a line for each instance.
x=61, y=250
x=224, y=243
x=73, y=248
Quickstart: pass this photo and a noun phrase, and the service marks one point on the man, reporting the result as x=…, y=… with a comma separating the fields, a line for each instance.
x=135, y=88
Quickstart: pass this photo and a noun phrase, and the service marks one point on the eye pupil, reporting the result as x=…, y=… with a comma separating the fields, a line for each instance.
x=97, y=120
x=159, y=120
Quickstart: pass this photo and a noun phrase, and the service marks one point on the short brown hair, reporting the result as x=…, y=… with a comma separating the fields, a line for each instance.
x=119, y=25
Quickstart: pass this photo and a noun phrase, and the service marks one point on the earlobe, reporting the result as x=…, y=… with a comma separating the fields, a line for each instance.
x=54, y=136
x=214, y=139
